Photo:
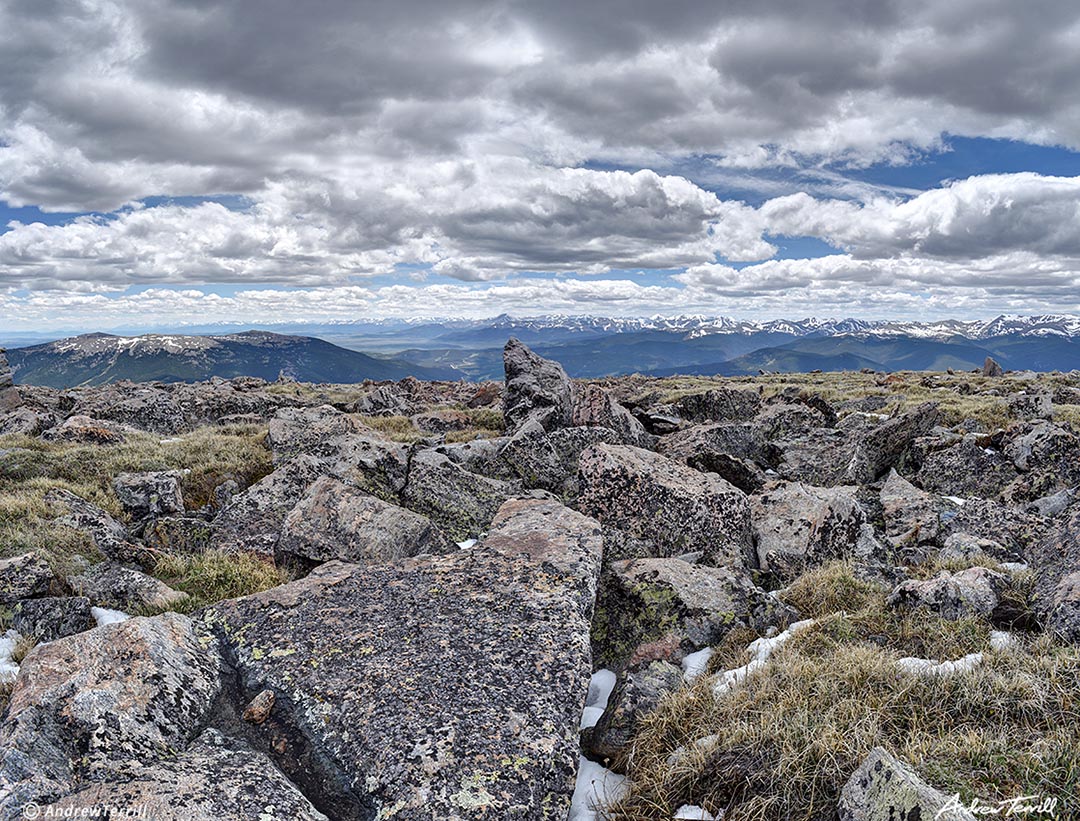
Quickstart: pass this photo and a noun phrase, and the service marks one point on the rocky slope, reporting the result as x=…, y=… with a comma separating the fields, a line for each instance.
x=452, y=596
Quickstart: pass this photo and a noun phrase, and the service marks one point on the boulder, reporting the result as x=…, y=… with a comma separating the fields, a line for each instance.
x=178, y=535
x=24, y=420
x=253, y=520
x=143, y=406
x=797, y=526
x=95, y=706
x=637, y=693
x=1027, y=406
x=1013, y=528
x=107, y=534
x=121, y=588
x=1048, y=456
x=150, y=494
x=335, y=520
x=1056, y=561
x=383, y=401
x=535, y=388
x=442, y=421
x=785, y=421
x=676, y=508
x=368, y=460
x=83, y=430
x=697, y=445
x=883, y=788
x=27, y=576
x=52, y=617
x=446, y=687
x=884, y=446
x=966, y=469
x=976, y=591
x=967, y=548
x=215, y=778
x=672, y=607
x=742, y=473
x=911, y=515
x=293, y=431
x=461, y=504
x=992, y=368
x=548, y=460
x=718, y=405
x=594, y=407
x=9, y=394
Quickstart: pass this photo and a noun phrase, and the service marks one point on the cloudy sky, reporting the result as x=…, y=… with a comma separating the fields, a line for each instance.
x=171, y=161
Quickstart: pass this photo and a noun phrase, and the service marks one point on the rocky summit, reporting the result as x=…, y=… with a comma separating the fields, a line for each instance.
x=808, y=596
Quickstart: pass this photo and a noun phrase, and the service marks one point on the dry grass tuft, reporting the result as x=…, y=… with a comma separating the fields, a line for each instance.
x=213, y=576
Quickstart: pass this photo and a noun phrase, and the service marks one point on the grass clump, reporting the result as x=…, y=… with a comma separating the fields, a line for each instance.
x=213, y=576
x=394, y=428
x=789, y=738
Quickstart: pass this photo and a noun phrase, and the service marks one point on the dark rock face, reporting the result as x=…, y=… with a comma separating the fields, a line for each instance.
x=967, y=469
x=215, y=778
x=334, y=520
x=1048, y=457
x=1056, y=560
x=797, y=526
x=24, y=577
x=52, y=618
x=535, y=388
x=718, y=405
x=637, y=693
x=150, y=494
x=701, y=442
x=884, y=788
x=417, y=680
x=883, y=446
x=665, y=608
x=461, y=504
x=676, y=508
x=253, y=520
x=94, y=706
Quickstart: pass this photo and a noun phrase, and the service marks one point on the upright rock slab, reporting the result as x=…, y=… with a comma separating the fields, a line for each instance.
x=9, y=394
x=676, y=508
x=442, y=688
x=535, y=387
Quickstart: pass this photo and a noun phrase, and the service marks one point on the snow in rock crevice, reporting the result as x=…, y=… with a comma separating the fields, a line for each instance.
x=103, y=616
x=8, y=668
x=596, y=785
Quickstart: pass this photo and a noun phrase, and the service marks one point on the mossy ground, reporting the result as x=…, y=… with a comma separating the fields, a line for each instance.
x=788, y=739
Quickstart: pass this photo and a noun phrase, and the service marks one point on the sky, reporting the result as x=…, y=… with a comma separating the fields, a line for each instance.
x=171, y=162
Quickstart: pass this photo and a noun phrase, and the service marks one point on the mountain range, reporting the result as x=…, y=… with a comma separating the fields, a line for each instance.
x=586, y=346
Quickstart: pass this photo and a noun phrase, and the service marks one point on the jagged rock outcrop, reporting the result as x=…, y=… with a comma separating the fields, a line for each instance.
x=9, y=394
x=418, y=681
x=676, y=508
x=595, y=408
x=883, y=788
x=1048, y=457
x=144, y=406
x=99, y=706
x=912, y=516
x=967, y=469
x=797, y=526
x=335, y=520
x=536, y=388
x=992, y=368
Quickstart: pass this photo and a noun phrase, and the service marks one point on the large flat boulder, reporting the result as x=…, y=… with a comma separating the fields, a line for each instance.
x=678, y=509
x=444, y=687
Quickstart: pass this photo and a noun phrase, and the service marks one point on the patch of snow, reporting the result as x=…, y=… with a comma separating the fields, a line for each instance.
x=600, y=686
x=465, y=545
x=8, y=668
x=1001, y=640
x=703, y=743
x=694, y=664
x=170, y=440
x=956, y=500
x=690, y=812
x=1013, y=567
x=933, y=667
x=760, y=650
x=105, y=616
x=596, y=787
